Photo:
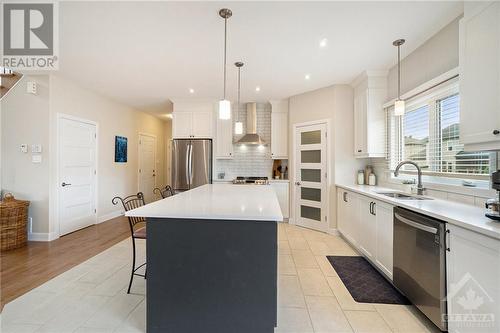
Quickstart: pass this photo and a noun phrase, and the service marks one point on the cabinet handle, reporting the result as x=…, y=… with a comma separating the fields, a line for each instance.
x=370, y=209
x=373, y=209
x=447, y=240
x=359, y=150
x=496, y=132
x=345, y=196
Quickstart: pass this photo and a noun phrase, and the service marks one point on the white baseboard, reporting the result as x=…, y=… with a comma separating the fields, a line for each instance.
x=109, y=216
x=42, y=236
x=333, y=231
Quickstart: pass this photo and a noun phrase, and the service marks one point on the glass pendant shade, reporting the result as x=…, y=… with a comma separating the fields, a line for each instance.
x=224, y=109
x=399, y=107
x=238, y=127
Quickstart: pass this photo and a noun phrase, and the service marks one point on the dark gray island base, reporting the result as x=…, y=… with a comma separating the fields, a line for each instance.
x=211, y=276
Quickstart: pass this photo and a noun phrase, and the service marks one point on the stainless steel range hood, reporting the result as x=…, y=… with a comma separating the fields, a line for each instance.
x=251, y=137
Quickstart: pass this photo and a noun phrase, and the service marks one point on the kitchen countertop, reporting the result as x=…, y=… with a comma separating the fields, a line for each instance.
x=217, y=202
x=462, y=215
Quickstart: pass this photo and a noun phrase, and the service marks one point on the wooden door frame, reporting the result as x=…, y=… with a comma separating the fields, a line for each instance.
x=293, y=218
x=59, y=117
x=139, y=157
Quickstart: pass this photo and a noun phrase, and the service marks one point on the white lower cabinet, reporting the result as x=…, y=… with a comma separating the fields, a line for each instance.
x=473, y=282
x=282, y=192
x=346, y=215
x=368, y=225
x=367, y=222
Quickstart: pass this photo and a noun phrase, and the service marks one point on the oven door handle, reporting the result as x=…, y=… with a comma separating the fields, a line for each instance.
x=415, y=224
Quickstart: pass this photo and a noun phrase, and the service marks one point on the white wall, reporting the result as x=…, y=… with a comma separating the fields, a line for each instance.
x=32, y=119
x=113, y=119
x=436, y=56
x=25, y=120
x=334, y=103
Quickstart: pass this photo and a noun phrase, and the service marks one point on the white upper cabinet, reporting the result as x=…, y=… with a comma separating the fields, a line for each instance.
x=370, y=93
x=224, y=139
x=192, y=120
x=480, y=76
x=279, y=129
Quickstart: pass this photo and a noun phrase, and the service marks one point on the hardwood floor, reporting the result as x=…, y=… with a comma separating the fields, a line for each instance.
x=24, y=269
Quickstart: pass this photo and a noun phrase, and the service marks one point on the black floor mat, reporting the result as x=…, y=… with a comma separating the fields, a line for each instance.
x=365, y=283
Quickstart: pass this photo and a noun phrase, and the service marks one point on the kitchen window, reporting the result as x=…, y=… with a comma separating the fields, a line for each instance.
x=429, y=134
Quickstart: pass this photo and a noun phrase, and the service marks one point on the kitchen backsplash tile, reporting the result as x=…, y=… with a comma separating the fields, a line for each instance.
x=249, y=160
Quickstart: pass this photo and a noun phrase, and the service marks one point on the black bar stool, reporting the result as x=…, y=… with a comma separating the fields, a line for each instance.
x=164, y=192
x=137, y=227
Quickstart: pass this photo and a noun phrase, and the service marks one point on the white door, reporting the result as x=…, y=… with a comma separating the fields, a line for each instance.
x=367, y=223
x=77, y=174
x=147, y=168
x=347, y=219
x=311, y=202
x=384, y=237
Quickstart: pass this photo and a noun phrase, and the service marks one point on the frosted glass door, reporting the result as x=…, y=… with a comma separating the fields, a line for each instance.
x=310, y=177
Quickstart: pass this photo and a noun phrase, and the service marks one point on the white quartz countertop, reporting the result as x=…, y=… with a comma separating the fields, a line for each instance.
x=217, y=202
x=465, y=216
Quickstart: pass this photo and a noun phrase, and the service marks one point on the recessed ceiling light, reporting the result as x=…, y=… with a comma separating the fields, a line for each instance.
x=191, y=91
x=257, y=89
x=307, y=76
x=323, y=42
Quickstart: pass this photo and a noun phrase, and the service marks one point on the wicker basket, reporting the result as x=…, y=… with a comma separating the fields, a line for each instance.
x=13, y=221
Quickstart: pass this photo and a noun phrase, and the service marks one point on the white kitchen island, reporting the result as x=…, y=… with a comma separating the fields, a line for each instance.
x=212, y=260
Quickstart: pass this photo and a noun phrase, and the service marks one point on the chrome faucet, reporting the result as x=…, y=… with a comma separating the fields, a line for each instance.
x=420, y=187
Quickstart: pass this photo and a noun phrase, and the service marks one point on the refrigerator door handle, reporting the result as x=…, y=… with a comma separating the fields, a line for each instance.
x=190, y=164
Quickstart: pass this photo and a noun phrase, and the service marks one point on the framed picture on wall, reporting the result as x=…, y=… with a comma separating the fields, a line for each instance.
x=120, y=149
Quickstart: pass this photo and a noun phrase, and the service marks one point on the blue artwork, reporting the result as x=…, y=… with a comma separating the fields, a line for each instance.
x=120, y=149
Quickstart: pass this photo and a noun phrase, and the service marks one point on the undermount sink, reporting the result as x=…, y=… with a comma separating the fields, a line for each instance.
x=403, y=196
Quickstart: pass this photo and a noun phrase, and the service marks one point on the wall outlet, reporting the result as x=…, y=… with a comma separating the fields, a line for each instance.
x=23, y=148
x=36, y=158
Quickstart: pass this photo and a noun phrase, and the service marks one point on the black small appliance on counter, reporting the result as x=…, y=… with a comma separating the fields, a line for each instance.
x=493, y=205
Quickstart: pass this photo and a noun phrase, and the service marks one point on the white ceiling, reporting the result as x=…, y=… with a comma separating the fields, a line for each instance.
x=145, y=53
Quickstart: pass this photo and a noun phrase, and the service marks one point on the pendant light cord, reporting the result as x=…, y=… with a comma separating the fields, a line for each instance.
x=225, y=50
x=239, y=94
x=399, y=72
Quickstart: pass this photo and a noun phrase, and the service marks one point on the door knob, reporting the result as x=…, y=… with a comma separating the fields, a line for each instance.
x=297, y=183
x=65, y=184
x=496, y=132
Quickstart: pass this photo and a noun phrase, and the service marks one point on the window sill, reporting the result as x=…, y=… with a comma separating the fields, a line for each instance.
x=445, y=184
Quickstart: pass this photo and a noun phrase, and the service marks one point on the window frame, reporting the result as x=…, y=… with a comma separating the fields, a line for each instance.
x=395, y=141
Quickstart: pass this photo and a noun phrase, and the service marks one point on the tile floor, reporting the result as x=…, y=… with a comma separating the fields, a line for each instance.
x=91, y=297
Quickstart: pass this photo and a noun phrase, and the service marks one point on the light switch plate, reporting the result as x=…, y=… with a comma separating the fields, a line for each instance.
x=31, y=87
x=23, y=148
x=36, y=158
x=36, y=148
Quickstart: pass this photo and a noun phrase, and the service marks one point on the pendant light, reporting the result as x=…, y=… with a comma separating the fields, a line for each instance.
x=224, y=104
x=399, y=105
x=238, y=125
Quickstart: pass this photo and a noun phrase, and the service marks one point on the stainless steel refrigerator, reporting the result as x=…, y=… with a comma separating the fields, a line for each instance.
x=191, y=163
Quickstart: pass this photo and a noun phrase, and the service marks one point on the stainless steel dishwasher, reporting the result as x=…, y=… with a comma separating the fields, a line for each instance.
x=420, y=263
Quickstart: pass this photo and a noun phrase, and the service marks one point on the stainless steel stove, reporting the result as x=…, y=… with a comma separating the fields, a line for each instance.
x=251, y=181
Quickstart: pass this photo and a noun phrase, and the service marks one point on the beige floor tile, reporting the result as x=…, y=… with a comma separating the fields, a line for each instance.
x=325, y=266
x=367, y=322
x=344, y=297
x=400, y=318
x=320, y=248
x=74, y=315
x=326, y=315
x=286, y=265
x=113, y=313
x=304, y=259
x=340, y=247
x=284, y=247
x=290, y=292
x=19, y=328
x=297, y=243
x=94, y=330
x=136, y=321
x=313, y=282
x=293, y=320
